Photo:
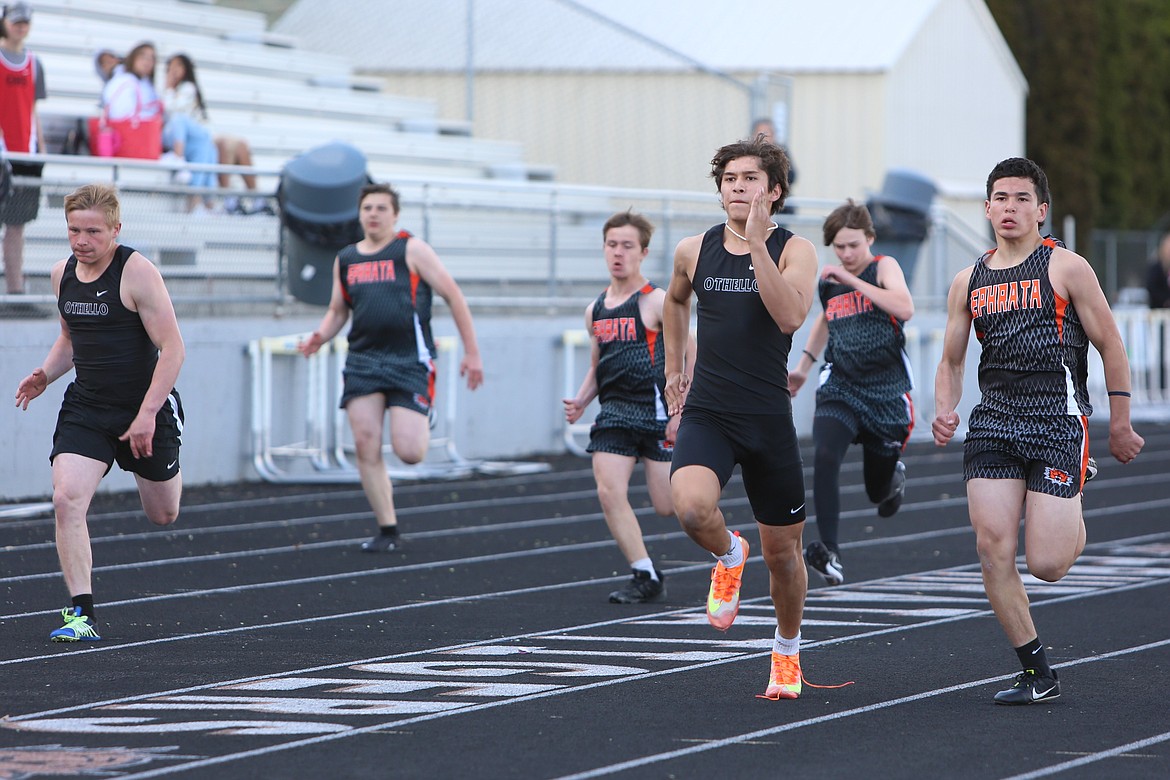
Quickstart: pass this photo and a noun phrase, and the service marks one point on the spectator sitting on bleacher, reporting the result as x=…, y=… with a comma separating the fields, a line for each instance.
x=131, y=93
x=182, y=96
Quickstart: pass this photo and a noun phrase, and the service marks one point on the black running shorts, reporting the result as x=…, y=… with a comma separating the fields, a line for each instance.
x=92, y=431
x=1049, y=453
x=764, y=446
x=630, y=442
x=408, y=384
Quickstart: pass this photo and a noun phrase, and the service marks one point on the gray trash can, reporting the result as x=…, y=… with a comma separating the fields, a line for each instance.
x=901, y=217
x=318, y=198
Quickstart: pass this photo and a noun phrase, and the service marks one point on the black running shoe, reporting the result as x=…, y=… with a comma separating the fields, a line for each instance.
x=1090, y=469
x=1030, y=688
x=382, y=543
x=825, y=562
x=893, y=502
x=640, y=589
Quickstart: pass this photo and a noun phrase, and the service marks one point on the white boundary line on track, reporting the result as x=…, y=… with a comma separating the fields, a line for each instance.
x=646, y=760
x=1093, y=758
x=754, y=735
x=460, y=599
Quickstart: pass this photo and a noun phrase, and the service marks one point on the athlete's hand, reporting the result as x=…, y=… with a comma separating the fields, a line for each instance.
x=1125, y=443
x=759, y=217
x=837, y=273
x=796, y=380
x=471, y=367
x=944, y=427
x=677, y=387
x=30, y=387
x=140, y=434
x=310, y=345
x=573, y=409
x=672, y=427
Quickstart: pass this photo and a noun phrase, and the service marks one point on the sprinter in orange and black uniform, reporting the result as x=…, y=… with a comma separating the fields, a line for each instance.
x=1035, y=307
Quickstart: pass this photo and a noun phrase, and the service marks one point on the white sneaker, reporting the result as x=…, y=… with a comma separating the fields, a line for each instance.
x=180, y=174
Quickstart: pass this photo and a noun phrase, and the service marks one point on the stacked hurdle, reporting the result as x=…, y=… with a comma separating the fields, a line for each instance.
x=572, y=433
x=321, y=452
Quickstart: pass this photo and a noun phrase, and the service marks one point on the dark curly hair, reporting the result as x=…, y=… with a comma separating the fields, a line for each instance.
x=773, y=160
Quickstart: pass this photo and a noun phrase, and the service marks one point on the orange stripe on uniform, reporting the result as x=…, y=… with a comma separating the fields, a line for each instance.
x=1061, y=313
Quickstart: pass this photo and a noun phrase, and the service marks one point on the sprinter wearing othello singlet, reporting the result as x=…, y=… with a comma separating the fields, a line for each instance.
x=386, y=280
x=120, y=335
x=754, y=282
x=1035, y=307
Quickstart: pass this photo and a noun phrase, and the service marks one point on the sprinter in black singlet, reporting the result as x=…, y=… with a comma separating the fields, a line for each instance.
x=863, y=395
x=386, y=280
x=754, y=282
x=1035, y=307
x=119, y=332
x=626, y=376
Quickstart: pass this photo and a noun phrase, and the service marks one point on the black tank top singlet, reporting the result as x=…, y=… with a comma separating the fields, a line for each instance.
x=1035, y=350
x=112, y=354
x=630, y=377
x=391, y=304
x=866, y=347
x=742, y=360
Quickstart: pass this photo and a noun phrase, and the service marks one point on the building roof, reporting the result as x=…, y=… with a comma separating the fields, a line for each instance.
x=776, y=35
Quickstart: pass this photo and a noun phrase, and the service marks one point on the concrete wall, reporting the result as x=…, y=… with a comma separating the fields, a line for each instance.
x=516, y=413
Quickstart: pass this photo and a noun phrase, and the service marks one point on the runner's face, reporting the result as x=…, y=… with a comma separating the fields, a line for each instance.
x=1014, y=209
x=624, y=252
x=377, y=215
x=741, y=180
x=852, y=248
x=90, y=238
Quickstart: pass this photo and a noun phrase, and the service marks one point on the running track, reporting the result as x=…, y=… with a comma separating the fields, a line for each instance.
x=253, y=639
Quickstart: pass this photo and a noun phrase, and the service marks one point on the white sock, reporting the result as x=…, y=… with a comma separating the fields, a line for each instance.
x=645, y=564
x=786, y=646
x=734, y=556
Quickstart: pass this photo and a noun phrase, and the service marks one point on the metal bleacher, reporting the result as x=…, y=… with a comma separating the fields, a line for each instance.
x=257, y=85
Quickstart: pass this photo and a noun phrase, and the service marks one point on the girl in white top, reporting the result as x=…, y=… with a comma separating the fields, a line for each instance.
x=130, y=92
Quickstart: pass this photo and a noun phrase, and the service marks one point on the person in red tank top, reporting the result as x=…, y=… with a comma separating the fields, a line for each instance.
x=20, y=88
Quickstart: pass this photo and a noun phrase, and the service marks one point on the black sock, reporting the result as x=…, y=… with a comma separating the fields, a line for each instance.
x=388, y=530
x=85, y=601
x=1032, y=656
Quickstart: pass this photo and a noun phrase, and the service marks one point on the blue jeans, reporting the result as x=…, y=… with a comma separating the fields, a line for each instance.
x=198, y=146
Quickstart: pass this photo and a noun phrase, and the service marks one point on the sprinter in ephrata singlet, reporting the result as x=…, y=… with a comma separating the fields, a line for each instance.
x=863, y=393
x=1035, y=307
x=626, y=375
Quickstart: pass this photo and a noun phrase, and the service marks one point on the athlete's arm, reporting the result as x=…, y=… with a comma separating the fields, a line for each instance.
x=818, y=337
x=575, y=406
x=890, y=294
x=143, y=291
x=1074, y=280
x=334, y=320
x=786, y=287
x=59, y=360
x=948, y=379
x=423, y=260
x=676, y=322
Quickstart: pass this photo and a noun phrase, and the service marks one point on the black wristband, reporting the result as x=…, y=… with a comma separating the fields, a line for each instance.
x=1122, y=393
x=811, y=356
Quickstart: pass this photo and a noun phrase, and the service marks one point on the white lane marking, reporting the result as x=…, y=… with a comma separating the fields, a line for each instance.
x=755, y=735
x=1093, y=758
